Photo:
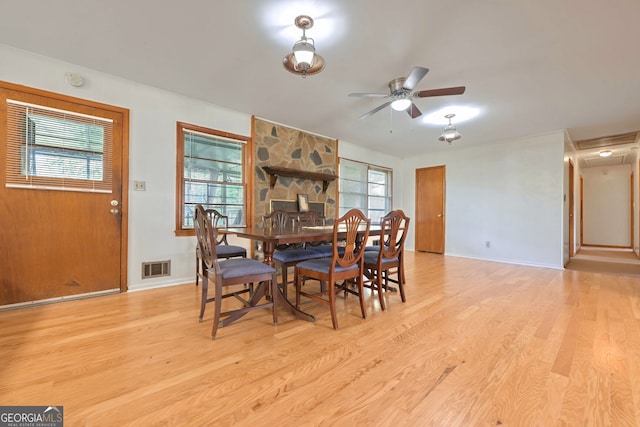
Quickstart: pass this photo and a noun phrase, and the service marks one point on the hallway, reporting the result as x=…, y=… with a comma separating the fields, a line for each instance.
x=606, y=260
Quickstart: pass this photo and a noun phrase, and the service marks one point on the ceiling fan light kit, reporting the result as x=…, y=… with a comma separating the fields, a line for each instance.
x=303, y=59
x=401, y=104
x=450, y=132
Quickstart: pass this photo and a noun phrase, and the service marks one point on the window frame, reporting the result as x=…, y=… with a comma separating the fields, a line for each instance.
x=245, y=141
x=370, y=167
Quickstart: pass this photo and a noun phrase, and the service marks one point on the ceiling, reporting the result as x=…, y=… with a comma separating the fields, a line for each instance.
x=529, y=67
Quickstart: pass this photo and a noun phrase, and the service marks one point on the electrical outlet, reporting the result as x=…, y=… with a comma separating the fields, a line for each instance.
x=139, y=185
x=487, y=244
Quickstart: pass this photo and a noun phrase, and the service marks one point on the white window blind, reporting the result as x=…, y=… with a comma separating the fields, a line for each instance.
x=48, y=148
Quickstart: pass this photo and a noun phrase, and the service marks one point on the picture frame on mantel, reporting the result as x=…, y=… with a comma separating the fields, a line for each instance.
x=303, y=203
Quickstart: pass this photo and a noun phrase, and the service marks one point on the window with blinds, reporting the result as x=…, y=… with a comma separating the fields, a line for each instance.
x=366, y=187
x=212, y=170
x=53, y=149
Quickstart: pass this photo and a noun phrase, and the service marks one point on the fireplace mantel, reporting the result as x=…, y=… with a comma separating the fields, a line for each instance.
x=276, y=171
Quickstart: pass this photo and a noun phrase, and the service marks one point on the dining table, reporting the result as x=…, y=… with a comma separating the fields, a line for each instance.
x=290, y=234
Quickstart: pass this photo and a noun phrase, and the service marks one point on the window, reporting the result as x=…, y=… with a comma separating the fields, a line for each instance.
x=365, y=187
x=56, y=149
x=210, y=172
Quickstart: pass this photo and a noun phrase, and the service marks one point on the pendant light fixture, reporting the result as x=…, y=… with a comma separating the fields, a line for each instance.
x=450, y=132
x=303, y=59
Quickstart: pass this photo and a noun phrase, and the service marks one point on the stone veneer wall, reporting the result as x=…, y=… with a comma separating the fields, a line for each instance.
x=278, y=145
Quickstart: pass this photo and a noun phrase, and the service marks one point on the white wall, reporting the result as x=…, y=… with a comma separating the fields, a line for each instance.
x=152, y=153
x=509, y=193
x=607, y=206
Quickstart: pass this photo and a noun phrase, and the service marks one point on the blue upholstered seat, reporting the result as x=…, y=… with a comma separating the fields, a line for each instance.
x=230, y=251
x=324, y=265
x=371, y=257
x=293, y=255
x=325, y=250
x=239, y=267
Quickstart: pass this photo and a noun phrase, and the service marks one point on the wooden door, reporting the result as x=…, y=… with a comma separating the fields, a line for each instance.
x=61, y=242
x=632, y=205
x=571, y=210
x=581, y=210
x=430, y=218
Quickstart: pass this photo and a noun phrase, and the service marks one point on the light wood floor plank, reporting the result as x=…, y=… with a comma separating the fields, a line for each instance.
x=476, y=344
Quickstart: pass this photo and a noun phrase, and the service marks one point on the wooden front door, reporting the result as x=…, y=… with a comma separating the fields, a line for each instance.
x=430, y=193
x=60, y=237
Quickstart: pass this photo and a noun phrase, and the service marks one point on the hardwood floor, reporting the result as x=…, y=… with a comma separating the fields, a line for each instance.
x=606, y=260
x=476, y=344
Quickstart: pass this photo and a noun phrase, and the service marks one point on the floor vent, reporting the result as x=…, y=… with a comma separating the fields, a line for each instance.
x=156, y=269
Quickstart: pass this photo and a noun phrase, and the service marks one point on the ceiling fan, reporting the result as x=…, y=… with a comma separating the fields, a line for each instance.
x=400, y=96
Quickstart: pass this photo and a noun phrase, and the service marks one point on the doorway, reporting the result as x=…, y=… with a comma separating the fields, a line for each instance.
x=571, y=211
x=63, y=230
x=430, y=206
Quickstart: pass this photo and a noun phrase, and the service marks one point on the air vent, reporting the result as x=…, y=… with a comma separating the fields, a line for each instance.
x=609, y=141
x=156, y=269
x=605, y=161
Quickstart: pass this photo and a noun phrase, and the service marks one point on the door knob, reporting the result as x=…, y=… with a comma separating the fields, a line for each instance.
x=114, y=210
x=439, y=215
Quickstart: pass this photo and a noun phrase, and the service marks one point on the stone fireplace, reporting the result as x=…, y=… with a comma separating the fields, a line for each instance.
x=304, y=163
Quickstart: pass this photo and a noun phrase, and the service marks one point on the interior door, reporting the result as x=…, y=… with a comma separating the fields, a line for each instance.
x=430, y=215
x=632, y=206
x=61, y=241
x=571, y=210
x=581, y=211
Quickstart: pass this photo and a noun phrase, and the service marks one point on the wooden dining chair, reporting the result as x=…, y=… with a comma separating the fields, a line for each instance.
x=346, y=266
x=310, y=219
x=279, y=219
x=227, y=274
x=286, y=256
x=223, y=249
x=388, y=259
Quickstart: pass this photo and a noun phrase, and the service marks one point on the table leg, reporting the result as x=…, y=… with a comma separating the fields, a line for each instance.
x=268, y=248
x=284, y=302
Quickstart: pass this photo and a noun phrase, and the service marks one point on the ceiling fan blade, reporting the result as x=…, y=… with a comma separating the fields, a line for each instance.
x=375, y=110
x=458, y=90
x=373, y=95
x=414, y=111
x=414, y=78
